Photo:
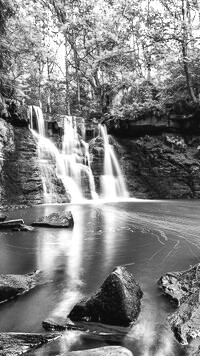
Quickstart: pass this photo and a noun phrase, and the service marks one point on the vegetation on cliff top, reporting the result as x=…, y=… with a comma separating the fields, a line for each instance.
x=121, y=58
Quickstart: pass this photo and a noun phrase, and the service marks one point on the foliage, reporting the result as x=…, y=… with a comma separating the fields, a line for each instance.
x=123, y=58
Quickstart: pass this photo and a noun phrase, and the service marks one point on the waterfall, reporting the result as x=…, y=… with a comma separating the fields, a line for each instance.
x=66, y=173
x=112, y=180
x=69, y=166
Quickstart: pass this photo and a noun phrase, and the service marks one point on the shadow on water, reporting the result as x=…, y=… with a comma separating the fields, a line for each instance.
x=149, y=238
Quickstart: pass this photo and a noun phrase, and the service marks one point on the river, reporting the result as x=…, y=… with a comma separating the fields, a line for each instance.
x=150, y=238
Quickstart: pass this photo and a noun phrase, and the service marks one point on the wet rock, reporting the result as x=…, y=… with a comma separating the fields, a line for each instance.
x=20, y=181
x=180, y=285
x=64, y=219
x=11, y=224
x=12, y=285
x=185, y=322
x=14, y=344
x=103, y=351
x=23, y=227
x=89, y=330
x=184, y=288
x=153, y=169
x=117, y=302
x=2, y=217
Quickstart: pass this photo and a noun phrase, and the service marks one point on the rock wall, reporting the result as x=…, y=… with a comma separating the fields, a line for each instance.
x=20, y=182
x=155, y=167
x=161, y=167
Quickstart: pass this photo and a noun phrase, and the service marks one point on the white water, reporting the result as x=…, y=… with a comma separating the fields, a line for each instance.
x=112, y=181
x=71, y=165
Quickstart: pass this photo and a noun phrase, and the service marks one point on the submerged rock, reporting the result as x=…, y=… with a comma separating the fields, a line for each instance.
x=184, y=288
x=90, y=330
x=64, y=219
x=103, y=351
x=23, y=227
x=12, y=285
x=2, y=217
x=117, y=302
x=10, y=224
x=14, y=344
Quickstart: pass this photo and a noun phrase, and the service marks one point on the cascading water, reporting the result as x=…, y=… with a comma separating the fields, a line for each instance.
x=70, y=166
x=66, y=174
x=78, y=174
x=112, y=181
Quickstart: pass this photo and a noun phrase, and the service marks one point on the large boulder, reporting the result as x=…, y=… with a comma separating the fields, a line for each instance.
x=180, y=285
x=15, y=344
x=12, y=285
x=117, y=302
x=103, y=351
x=64, y=219
x=184, y=288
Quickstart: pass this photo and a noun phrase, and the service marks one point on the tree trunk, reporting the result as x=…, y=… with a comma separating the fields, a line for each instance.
x=67, y=98
x=185, y=15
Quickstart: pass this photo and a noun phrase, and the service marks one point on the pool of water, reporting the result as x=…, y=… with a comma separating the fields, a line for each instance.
x=150, y=238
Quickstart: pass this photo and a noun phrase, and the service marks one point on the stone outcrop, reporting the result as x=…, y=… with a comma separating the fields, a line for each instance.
x=64, y=219
x=161, y=167
x=9, y=224
x=184, y=288
x=180, y=285
x=117, y=302
x=12, y=285
x=15, y=344
x=103, y=351
x=20, y=182
x=96, y=149
x=20, y=175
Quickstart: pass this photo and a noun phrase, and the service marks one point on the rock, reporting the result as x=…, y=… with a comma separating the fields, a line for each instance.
x=20, y=181
x=117, y=302
x=180, y=285
x=155, y=170
x=2, y=217
x=103, y=351
x=64, y=219
x=90, y=330
x=184, y=288
x=14, y=344
x=23, y=227
x=12, y=285
x=185, y=322
x=11, y=224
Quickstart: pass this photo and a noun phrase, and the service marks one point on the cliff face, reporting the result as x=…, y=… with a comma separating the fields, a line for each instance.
x=155, y=167
x=161, y=167
x=20, y=182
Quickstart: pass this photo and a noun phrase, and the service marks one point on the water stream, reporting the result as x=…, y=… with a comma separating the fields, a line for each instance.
x=71, y=163
x=150, y=238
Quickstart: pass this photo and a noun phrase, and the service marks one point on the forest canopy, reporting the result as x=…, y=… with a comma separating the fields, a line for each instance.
x=119, y=58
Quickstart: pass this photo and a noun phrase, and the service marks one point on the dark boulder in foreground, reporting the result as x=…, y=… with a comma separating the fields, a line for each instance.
x=184, y=288
x=117, y=302
x=12, y=285
x=103, y=351
x=14, y=344
x=64, y=219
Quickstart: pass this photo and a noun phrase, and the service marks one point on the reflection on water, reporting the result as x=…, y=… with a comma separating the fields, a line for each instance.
x=150, y=238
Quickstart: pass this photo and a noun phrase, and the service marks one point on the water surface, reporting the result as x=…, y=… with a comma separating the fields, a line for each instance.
x=150, y=238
